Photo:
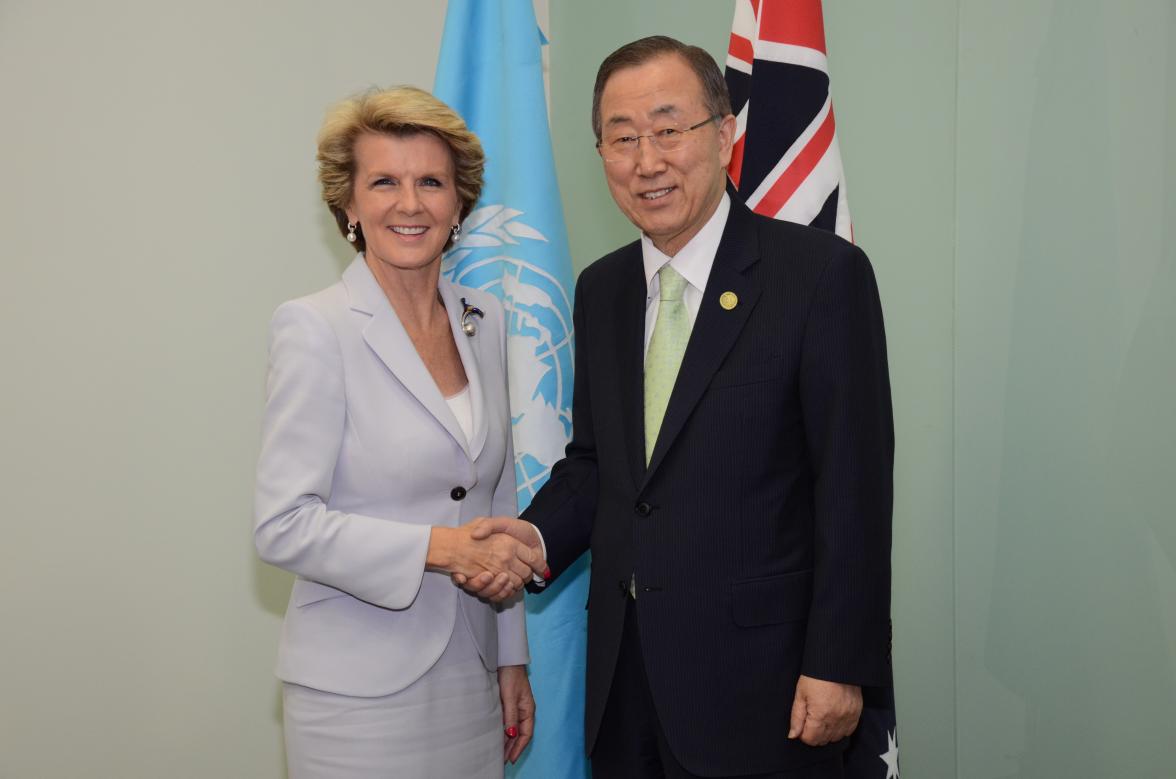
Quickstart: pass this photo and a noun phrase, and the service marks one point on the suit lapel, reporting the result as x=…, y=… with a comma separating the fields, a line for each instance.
x=386, y=336
x=715, y=329
x=469, y=348
x=628, y=316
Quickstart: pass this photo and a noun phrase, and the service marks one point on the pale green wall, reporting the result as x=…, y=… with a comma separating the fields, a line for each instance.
x=1011, y=175
x=1065, y=444
x=157, y=201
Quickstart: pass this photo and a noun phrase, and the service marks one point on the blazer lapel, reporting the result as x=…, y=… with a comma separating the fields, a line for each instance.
x=629, y=346
x=715, y=329
x=388, y=339
x=469, y=359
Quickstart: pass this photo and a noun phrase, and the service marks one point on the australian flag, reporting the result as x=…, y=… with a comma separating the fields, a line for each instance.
x=786, y=164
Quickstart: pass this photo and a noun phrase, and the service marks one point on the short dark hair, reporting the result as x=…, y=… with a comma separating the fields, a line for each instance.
x=715, y=96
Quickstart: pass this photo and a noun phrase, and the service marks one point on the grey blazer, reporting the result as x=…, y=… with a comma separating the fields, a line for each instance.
x=360, y=455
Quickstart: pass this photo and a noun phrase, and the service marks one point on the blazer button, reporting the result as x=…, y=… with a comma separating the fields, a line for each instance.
x=457, y=493
x=643, y=509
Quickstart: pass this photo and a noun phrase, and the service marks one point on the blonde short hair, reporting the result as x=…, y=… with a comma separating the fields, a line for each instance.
x=398, y=111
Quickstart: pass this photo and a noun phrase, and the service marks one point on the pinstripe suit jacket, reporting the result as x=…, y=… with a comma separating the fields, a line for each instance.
x=760, y=531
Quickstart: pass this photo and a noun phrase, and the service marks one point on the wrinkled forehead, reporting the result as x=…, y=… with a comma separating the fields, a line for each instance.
x=658, y=113
x=410, y=149
x=664, y=89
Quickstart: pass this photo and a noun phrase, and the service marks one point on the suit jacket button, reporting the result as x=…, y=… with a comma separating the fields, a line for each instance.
x=643, y=509
x=457, y=493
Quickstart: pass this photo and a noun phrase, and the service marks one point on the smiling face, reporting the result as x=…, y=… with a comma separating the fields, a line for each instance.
x=668, y=195
x=404, y=198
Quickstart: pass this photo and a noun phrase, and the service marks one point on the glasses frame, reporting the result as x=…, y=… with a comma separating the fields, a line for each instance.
x=601, y=148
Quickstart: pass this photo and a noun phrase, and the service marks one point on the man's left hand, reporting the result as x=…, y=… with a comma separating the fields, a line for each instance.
x=824, y=712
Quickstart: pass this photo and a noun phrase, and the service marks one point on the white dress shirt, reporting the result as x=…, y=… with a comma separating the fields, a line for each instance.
x=693, y=262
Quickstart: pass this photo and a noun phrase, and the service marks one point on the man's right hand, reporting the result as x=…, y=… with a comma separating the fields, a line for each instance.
x=492, y=587
x=501, y=563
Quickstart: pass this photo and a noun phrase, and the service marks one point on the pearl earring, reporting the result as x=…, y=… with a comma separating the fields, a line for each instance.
x=351, y=232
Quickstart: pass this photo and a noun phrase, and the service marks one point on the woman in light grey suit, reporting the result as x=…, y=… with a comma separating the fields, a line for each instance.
x=386, y=432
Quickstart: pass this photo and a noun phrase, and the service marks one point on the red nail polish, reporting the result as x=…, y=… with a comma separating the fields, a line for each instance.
x=512, y=732
x=546, y=574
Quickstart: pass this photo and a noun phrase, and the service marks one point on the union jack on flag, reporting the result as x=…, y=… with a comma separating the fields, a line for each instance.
x=786, y=162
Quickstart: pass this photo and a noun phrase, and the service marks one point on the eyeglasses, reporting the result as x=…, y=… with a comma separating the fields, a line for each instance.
x=624, y=148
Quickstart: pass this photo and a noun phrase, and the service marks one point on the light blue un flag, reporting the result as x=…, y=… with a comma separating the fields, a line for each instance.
x=515, y=245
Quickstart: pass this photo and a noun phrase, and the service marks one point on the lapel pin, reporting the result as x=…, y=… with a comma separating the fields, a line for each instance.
x=468, y=326
x=728, y=300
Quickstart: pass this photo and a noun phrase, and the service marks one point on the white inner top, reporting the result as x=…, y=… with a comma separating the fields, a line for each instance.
x=463, y=408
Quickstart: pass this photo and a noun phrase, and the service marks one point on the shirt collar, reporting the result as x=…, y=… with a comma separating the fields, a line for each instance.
x=695, y=259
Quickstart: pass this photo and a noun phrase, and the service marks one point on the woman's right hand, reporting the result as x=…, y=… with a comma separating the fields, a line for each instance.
x=455, y=550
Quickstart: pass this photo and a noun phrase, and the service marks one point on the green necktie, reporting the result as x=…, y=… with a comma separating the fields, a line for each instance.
x=671, y=331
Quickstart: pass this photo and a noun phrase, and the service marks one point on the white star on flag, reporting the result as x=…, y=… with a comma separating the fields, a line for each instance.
x=890, y=756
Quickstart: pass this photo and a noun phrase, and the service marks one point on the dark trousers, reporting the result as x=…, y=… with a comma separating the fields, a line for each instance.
x=631, y=744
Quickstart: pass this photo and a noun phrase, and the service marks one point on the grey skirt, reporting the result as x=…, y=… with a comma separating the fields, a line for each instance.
x=446, y=724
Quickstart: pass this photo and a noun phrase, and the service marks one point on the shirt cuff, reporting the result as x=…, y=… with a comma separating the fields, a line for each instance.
x=536, y=578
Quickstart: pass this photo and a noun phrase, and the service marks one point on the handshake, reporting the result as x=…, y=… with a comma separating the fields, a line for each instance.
x=491, y=557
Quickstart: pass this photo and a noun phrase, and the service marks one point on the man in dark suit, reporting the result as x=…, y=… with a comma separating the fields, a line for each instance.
x=731, y=457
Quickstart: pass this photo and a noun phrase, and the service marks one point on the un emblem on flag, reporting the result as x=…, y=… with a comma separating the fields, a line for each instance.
x=501, y=254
